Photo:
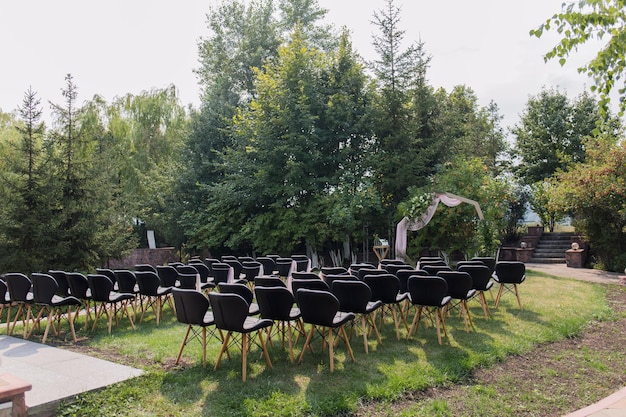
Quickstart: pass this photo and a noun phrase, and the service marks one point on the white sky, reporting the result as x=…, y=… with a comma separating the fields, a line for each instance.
x=115, y=47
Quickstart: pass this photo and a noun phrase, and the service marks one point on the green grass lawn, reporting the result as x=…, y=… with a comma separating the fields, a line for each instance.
x=554, y=308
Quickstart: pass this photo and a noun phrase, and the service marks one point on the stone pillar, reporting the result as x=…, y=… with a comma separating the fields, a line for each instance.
x=525, y=254
x=574, y=258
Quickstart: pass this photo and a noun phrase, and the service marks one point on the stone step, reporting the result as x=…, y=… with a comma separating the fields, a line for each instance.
x=547, y=260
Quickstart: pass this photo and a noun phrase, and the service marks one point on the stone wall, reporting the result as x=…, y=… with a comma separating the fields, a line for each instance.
x=158, y=256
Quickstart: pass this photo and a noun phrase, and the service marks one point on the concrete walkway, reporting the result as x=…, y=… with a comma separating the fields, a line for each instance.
x=615, y=404
x=56, y=374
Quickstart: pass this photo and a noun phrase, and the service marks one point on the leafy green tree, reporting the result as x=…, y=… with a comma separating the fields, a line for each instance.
x=550, y=134
x=594, y=193
x=540, y=193
x=585, y=20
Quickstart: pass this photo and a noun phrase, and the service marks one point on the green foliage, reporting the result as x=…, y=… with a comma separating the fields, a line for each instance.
x=540, y=195
x=550, y=136
x=458, y=229
x=585, y=20
x=594, y=193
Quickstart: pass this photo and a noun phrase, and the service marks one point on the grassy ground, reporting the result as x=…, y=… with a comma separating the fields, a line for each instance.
x=554, y=309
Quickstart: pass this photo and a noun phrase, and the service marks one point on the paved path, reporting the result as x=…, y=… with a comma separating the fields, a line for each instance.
x=55, y=373
x=615, y=404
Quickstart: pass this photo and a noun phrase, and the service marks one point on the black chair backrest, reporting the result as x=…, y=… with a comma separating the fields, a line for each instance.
x=403, y=277
x=108, y=272
x=61, y=279
x=459, y=283
x=269, y=266
x=302, y=262
x=353, y=296
x=384, y=287
x=283, y=266
x=427, y=291
x=480, y=275
x=508, y=272
x=355, y=267
x=168, y=275
x=269, y=281
x=191, y=306
x=44, y=288
x=235, y=264
x=209, y=262
x=317, y=307
x=385, y=262
x=240, y=289
x=100, y=286
x=203, y=270
x=275, y=303
x=229, y=310
x=148, y=282
x=145, y=267
x=489, y=261
x=126, y=281
x=221, y=271
x=430, y=258
x=79, y=285
x=251, y=269
x=187, y=275
x=19, y=286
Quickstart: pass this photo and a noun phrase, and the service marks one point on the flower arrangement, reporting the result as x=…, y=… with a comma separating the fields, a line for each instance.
x=417, y=205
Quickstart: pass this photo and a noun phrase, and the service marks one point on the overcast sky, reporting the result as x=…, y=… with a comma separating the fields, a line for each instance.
x=115, y=47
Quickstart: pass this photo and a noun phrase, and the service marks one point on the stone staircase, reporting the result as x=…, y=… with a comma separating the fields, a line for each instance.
x=551, y=247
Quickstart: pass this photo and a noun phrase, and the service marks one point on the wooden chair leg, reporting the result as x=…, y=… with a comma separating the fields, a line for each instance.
x=182, y=346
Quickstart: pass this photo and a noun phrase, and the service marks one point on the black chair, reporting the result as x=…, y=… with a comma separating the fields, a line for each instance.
x=250, y=270
x=230, y=312
x=278, y=304
x=356, y=297
x=459, y=264
x=509, y=274
x=386, y=289
x=20, y=295
x=320, y=309
x=168, y=275
x=190, y=277
x=192, y=309
x=428, y=294
x=206, y=279
x=354, y=268
x=222, y=273
x=460, y=288
x=56, y=307
x=269, y=266
x=109, y=273
x=302, y=263
x=79, y=288
x=153, y=293
x=234, y=263
x=284, y=267
x=304, y=275
x=269, y=281
x=385, y=262
x=481, y=282
x=61, y=278
x=242, y=290
x=421, y=264
x=403, y=276
x=489, y=261
x=107, y=301
x=127, y=284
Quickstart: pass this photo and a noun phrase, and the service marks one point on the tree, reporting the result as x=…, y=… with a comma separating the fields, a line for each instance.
x=29, y=200
x=594, y=194
x=584, y=20
x=396, y=157
x=550, y=134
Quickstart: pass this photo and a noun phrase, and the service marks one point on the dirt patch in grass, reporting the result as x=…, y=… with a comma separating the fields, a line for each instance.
x=552, y=380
